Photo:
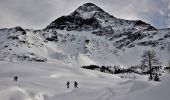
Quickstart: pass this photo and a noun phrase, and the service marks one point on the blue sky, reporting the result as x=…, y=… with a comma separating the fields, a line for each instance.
x=37, y=14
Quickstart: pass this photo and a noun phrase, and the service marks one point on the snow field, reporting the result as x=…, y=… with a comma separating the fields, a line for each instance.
x=47, y=81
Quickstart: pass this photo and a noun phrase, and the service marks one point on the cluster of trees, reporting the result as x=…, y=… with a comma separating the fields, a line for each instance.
x=106, y=69
x=168, y=67
x=118, y=70
x=150, y=65
x=109, y=69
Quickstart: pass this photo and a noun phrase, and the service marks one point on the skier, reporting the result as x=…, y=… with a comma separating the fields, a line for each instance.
x=75, y=84
x=15, y=78
x=68, y=84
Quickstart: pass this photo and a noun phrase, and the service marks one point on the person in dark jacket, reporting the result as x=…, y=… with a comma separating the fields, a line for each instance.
x=15, y=78
x=68, y=84
x=75, y=84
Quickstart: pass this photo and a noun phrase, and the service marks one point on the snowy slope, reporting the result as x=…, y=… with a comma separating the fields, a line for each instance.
x=87, y=36
x=44, y=60
x=47, y=81
x=158, y=92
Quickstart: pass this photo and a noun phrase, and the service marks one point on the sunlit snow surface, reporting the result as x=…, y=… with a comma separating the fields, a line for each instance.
x=47, y=81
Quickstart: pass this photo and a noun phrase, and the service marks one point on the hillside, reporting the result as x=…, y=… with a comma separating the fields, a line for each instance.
x=89, y=35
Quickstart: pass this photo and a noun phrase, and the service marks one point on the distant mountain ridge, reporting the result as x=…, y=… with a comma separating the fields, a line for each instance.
x=89, y=35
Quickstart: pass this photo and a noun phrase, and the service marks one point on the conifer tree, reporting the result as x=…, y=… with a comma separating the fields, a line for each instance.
x=149, y=60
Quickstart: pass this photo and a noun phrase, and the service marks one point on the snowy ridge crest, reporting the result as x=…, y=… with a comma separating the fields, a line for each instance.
x=89, y=35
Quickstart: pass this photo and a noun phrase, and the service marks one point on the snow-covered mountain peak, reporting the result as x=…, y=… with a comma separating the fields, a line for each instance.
x=87, y=17
x=87, y=11
x=90, y=17
x=89, y=7
x=89, y=35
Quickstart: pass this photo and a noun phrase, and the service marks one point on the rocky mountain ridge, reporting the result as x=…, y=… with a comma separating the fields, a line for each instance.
x=89, y=35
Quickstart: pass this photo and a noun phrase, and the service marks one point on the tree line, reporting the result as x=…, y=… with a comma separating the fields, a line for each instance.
x=150, y=65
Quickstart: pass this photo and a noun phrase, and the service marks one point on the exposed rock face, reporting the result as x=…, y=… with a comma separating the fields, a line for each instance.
x=89, y=35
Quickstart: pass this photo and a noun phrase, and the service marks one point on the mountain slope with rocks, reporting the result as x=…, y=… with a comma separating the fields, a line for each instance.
x=87, y=36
